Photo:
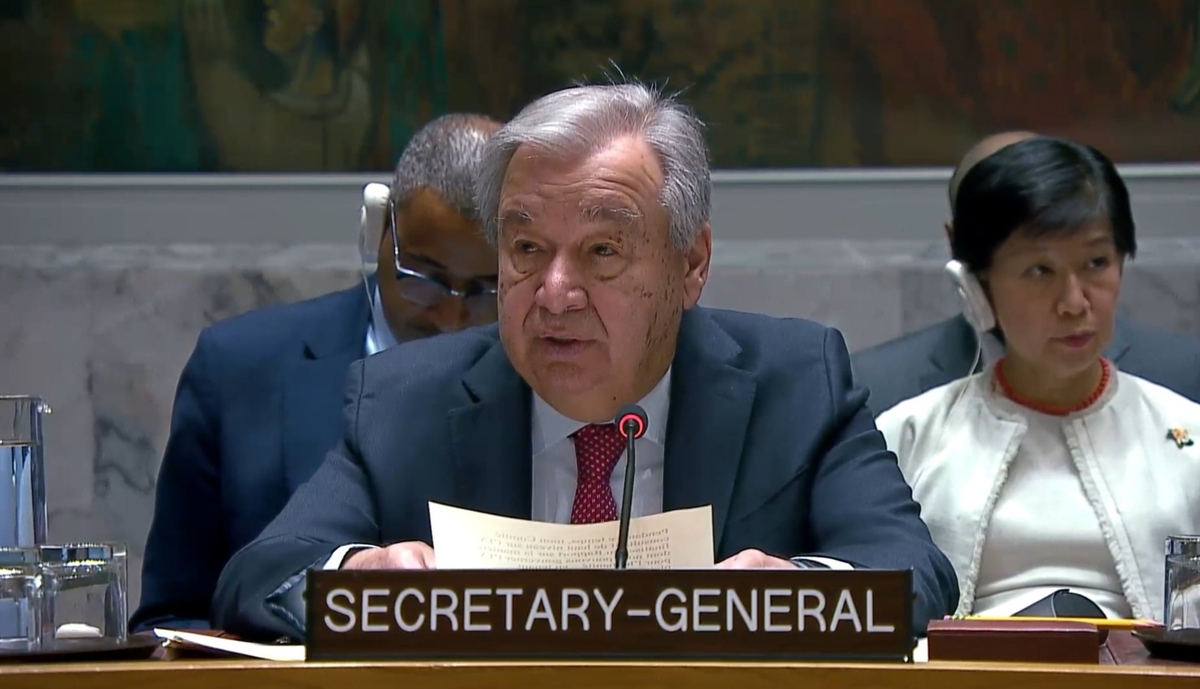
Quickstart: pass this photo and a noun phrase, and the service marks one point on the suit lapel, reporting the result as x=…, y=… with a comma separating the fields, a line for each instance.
x=953, y=355
x=711, y=401
x=314, y=386
x=490, y=434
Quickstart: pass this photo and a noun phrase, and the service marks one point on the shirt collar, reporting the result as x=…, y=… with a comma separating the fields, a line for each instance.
x=550, y=427
x=379, y=335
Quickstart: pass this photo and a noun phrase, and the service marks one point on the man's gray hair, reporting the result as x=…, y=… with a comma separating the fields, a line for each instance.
x=444, y=156
x=584, y=119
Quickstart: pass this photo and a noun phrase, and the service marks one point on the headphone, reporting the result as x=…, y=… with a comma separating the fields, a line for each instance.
x=371, y=222
x=975, y=305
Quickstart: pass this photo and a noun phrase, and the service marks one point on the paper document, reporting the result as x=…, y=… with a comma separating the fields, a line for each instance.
x=921, y=651
x=464, y=539
x=223, y=645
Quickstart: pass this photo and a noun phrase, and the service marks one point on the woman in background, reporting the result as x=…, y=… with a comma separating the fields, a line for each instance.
x=1051, y=470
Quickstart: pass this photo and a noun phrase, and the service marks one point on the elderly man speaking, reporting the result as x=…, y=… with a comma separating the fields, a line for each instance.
x=597, y=199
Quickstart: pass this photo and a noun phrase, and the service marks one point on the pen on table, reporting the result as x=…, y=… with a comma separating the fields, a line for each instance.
x=1102, y=623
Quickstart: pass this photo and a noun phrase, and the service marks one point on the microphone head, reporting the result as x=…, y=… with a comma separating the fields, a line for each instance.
x=632, y=414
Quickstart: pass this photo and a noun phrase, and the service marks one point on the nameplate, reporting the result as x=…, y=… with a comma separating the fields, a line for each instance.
x=598, y=614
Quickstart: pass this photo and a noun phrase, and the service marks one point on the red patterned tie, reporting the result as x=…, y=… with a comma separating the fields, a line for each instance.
x=597, y=451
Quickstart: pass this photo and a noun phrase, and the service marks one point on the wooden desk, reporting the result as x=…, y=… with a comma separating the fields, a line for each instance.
x=1124, y=665
x=210, y=674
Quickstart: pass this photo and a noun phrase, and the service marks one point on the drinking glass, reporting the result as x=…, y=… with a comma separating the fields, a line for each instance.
x=83, y=593
x=20, y=581
x=1181, y=595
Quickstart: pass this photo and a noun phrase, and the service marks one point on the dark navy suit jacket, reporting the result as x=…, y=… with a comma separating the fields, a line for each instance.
x=258, y=406
x=918, y=362
x=765, y=426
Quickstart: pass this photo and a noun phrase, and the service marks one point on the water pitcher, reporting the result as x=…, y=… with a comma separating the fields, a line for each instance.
x=22, y=471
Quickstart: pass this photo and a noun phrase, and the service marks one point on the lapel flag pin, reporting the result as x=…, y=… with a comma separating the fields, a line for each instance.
x=1180, y=436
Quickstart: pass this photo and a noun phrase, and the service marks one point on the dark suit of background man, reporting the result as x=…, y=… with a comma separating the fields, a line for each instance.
x=259, y=403
x=918, y=362
x=597, y=198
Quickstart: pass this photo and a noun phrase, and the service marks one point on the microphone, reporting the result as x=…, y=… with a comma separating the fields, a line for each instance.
x=631, y=422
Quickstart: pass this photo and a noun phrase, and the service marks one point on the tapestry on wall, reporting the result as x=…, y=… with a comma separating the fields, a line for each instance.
x=340, y=85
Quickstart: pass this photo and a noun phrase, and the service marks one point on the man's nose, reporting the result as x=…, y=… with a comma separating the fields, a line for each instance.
x=561, y=290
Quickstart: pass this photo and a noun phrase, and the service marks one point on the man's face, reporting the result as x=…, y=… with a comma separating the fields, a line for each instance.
x=450, y=250
x=591, y=287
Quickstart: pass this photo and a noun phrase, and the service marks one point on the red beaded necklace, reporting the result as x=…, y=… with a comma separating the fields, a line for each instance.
x=1010, y=393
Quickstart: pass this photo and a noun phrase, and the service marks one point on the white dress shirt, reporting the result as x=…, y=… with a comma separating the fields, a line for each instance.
x=379, y=335
x=555, y=470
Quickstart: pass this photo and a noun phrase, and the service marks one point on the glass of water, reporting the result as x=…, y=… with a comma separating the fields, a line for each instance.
x=83, y=593
x=20, y=583
x=22, y=471
x=1181, y=595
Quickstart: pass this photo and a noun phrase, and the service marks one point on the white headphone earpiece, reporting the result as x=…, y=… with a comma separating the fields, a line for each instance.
x=371, y=222
x=975, y=305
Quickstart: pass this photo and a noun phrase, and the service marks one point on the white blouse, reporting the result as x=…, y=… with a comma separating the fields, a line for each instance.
x=1025, y=503
x=1044, y=534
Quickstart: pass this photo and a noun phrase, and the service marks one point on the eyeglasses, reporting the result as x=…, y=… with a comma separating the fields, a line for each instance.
x=427, y=290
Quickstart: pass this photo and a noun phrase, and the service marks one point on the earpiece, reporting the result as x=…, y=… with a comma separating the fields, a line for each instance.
x=371, y=221
x=975, y=305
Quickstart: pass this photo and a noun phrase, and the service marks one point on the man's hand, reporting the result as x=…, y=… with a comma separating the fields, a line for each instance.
x=409, y=555
x=755, y=559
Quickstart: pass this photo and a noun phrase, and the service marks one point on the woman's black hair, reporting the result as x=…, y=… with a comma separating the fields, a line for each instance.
x=1040, y=185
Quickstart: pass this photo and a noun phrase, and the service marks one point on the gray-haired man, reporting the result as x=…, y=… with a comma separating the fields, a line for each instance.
x=259, y=401
x=597, y=199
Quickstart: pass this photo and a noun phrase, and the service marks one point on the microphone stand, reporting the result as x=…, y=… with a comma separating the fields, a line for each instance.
x=631, y=432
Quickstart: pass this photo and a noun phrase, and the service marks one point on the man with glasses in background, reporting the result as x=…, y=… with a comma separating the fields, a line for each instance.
x=259, y=403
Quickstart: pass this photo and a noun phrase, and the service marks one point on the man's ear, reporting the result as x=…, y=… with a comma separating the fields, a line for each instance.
x=948, y=226
x=699, y=256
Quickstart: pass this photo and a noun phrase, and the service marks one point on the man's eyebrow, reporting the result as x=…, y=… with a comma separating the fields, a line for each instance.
x=621, y=214
x=516, y=215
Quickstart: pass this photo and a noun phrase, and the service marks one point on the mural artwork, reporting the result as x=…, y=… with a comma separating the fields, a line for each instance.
x=339, y=85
